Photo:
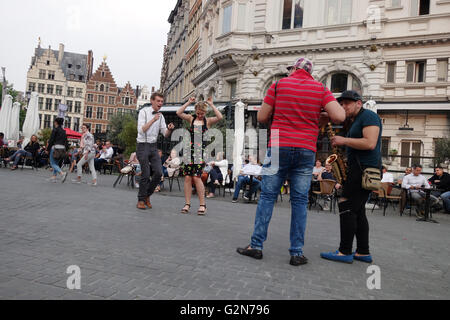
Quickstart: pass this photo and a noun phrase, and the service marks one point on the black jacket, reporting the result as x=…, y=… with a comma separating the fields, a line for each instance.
x=444, y=181
x=58, y=137
x=32, y=148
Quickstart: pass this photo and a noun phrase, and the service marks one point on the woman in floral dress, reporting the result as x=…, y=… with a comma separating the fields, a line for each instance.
x=199, y=125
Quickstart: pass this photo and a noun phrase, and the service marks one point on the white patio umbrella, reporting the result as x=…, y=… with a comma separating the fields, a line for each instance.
x=31, y=124
x=239, y=137
x=14, y=122
x=5, y=115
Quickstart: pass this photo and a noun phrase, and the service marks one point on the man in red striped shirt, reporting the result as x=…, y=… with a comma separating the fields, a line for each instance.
x=297, y=105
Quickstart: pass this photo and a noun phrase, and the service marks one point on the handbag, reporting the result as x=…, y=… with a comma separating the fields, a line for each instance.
x=59, y=152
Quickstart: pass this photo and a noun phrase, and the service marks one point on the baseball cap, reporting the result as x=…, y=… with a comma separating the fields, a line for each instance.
x=349, y=95
x=303, y=63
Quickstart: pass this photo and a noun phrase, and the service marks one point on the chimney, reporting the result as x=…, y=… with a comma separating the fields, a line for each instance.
x=61, y=52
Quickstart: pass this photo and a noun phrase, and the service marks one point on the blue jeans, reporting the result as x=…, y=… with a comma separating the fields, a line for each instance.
x=446, y=199
x=18, y=155
x=246, y=180
x=54, y=164
x=297, y=164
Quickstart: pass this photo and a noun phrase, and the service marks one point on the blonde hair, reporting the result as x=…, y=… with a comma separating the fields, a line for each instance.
x=201, y=106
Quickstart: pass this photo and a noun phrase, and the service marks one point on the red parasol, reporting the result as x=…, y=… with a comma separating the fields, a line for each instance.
x=72, y=134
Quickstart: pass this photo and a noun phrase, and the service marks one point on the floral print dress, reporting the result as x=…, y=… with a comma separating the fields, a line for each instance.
x=197, y=163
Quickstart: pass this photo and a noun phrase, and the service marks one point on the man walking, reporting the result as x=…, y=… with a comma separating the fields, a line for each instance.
x=295, y=104
x=151, y=122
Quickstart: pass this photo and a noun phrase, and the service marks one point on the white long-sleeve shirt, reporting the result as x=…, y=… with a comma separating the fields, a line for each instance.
x=145, y=115
x=107, y=154
x=388, y=177
x=415, y=181
x=251, y=170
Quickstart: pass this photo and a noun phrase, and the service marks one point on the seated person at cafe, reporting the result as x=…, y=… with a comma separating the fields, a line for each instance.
x=30, y=150
x=317, y=169
x=217, y=174
x=250, y=169
x=387, y=176
x=133, y=161
x=400, y=178
x=441, y=180
x=4, y=152
x=327, y=174
x=106, y=154
x=415, y=182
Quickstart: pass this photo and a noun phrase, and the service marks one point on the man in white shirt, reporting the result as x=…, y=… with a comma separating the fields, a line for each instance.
x=250, y=169
x=387, y=177
x=106, y=154
x=414, y=183
x=150, y=124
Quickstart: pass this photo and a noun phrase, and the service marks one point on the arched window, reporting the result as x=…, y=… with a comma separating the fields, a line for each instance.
x=272, y=80
x=341, y=81
x=102, y=87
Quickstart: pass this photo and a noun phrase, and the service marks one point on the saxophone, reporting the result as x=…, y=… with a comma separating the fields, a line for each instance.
x=338, y=166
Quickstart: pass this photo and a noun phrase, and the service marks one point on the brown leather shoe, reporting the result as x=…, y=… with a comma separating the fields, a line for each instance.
x=147, y=202
x=141, y=205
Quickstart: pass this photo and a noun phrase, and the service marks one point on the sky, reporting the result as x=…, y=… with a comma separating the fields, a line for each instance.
x=131, y=33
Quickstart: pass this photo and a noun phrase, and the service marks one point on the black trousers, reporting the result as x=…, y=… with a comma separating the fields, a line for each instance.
x=215, y=174
x=148, y=156
x=353, y=220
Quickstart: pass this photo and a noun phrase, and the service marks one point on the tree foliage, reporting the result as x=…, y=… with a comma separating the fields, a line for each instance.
x=44, y=135
x=9, y=90
x=442, y=151
x=127, y=137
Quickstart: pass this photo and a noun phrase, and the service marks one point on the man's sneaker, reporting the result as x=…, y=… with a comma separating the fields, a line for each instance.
x=298, y=261
x=249, y=252
x=92, y=184
x=246, y=198
x=76, y=181
x=52, y=180
x=63, y=177
x=326, y=207
x=234, y=200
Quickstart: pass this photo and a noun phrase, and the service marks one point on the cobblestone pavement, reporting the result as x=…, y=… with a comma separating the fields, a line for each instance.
x=124, y=253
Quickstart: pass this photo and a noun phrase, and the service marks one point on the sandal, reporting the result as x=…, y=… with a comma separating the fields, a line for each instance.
x=184, y=210
x=201, y=213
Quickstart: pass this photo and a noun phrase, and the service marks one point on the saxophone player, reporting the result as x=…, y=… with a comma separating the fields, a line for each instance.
x=363, y=146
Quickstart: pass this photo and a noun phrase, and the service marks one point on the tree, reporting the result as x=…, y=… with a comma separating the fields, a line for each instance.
x=9, y=90
x=117, y=123
x=22, y=116
x=127, y=137
x=442, y=150
x=44, y=135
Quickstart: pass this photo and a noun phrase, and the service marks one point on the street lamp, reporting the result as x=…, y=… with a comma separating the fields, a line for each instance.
x=4, y=83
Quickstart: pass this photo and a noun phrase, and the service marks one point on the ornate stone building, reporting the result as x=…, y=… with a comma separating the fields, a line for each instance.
x=395, y=52
x=59, y=77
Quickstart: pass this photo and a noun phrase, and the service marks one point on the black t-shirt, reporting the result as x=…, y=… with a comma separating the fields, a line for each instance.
x=367, y=158
x=444, y=181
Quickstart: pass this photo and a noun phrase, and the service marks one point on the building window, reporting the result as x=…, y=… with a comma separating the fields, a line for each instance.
x=340, y=82
x=47, y=119
x=103, y=74
x=76, y=124
x=79, y=93
x=108, y=128
x=233, y=89
x=68, y=122
x=90, y=97
x=338, y=11
x=48, y=104
x=420, y=7
x=120, y=111
x=50, y=89
x=69, y=106
x=99, y=113
x=69, y=66
x=80, y=78
x=292, y=14
x=102, y=87
x=391, y=68
x=41, y=103
x=41, y=87
x=70, y=91
x=110, y=113
x=48, y=62
x=241, y=17
x=415, y=71
x=77, y=107
x=51, y=75
x=112, y=100
x=411, y=151
x=59, y=90
x=101, y=99
x=96, y=86
x=88, y=112
x=226, y=25
x=57, y=102
x=385, y=147
x=98, y=128
x=442, y=70
x=31, y=86
x=396, y=3
x=41, y=74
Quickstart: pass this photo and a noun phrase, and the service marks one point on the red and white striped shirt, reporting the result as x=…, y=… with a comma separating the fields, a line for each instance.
x=297, y=106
